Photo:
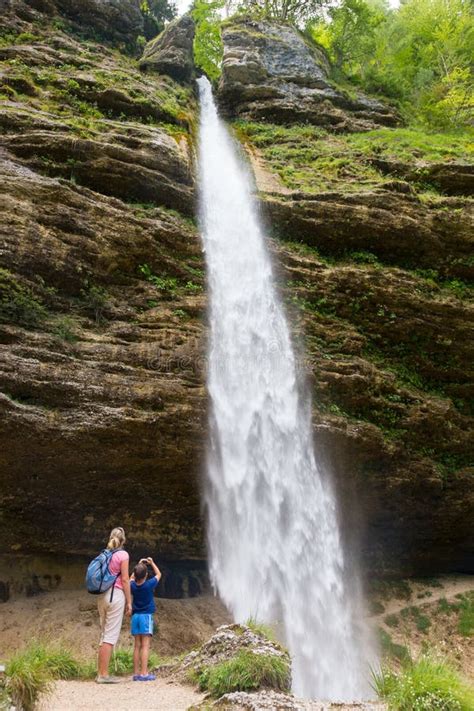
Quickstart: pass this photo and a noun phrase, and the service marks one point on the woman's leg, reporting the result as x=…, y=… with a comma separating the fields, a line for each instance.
x=111, y=614
x=105, y=652
x=136, y=654
x=144, y=653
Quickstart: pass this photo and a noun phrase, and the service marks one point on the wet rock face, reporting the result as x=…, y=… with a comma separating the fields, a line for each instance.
x=271, y=72
x=171, y=53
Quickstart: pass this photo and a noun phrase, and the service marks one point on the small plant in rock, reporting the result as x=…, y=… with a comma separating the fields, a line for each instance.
x=261, y=629
x=96, y=300
x=64, y=329
x=391, y=620
x=168, y=285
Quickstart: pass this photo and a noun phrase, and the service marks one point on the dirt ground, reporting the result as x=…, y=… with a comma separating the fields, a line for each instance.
x=71, y=617
x=86, y=695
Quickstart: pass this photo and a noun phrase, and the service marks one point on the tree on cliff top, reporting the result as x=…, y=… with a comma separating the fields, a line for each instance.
x=294, y=11
x=208, y=46
x=419, y=54
x=155, y=14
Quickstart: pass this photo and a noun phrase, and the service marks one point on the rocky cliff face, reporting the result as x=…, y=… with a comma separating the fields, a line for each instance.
x=271, y=72
x=102, y=327
x=102, y=300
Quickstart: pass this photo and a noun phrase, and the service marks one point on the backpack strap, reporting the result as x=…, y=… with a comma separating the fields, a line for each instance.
x=117, y=576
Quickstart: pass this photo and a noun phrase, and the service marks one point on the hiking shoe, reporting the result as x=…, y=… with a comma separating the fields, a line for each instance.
x=107, y=680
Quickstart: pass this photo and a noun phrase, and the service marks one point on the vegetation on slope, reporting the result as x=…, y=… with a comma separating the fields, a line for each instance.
x=311, y=159
x=419, y=54
x=427, y=684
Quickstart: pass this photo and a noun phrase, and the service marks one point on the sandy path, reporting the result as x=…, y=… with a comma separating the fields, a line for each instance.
x=87, y=695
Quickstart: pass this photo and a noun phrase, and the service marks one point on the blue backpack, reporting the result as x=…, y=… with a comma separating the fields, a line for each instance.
x=99, y=579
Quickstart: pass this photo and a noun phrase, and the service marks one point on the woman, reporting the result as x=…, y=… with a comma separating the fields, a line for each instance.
x=112, y=604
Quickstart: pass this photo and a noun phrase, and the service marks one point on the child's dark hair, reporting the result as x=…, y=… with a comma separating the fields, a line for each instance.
x=140, y=571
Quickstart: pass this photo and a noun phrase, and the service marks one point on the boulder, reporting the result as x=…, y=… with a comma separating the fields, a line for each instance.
x=171, y=52
x=271, y=72
x=224, y=645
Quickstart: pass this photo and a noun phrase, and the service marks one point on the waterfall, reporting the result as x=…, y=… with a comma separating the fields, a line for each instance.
x=275, y=552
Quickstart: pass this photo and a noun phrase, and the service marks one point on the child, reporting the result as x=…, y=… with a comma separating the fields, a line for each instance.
x=143, y=608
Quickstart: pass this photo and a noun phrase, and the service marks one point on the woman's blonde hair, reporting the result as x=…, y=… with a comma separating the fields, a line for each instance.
x=116, y=538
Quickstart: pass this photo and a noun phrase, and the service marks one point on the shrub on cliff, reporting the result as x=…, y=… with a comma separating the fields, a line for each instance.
x=18, y=303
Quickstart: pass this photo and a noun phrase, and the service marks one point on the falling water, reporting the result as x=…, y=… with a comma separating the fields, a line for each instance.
x=274, y=546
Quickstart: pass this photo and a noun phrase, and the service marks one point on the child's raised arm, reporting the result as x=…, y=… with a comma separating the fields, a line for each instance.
x=156, y=570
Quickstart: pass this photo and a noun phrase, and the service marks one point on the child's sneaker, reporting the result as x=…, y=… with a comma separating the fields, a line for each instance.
x=107, y=680
x=149, y=677
x=137, y=677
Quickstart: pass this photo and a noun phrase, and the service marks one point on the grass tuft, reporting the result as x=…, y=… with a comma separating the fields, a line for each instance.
x=261, y=629
x=427, y=684
x=31, y=671
x=245, y=672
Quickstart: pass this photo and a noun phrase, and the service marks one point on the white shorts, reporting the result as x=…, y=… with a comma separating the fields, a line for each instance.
x=111, y=615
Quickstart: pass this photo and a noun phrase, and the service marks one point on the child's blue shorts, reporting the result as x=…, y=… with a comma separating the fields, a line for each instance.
x=142, y=623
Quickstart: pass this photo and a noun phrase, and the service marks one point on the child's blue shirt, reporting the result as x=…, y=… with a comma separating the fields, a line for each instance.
x=143, y=600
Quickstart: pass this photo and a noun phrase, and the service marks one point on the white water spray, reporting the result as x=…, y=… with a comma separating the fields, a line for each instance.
x=274, y=545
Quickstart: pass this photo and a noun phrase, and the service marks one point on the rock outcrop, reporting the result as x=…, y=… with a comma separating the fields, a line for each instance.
x=113, y=20
x=171, y=53
x=271, y=72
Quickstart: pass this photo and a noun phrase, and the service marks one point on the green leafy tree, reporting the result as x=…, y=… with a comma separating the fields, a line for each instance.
x=420, y=54
x=155, y=14
x=350, y=33
x=208, y=46
x=295, y=11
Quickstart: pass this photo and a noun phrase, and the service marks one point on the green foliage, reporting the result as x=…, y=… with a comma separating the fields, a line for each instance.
x=168, y=285
x=294, y=11
x=96, y=300
x=208, y=46
x=391, y=649
x=426, y=684
x=310, y=159
x=18, y=304
x=391, y=620
x=419, y=54
x=466, y=616
x=245, y=672
x=30, y=672
x=155, y=14
x=122, y=661
x=65, y=329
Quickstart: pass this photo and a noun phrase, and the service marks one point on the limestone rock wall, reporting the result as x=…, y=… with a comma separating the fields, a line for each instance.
x=271, y=72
